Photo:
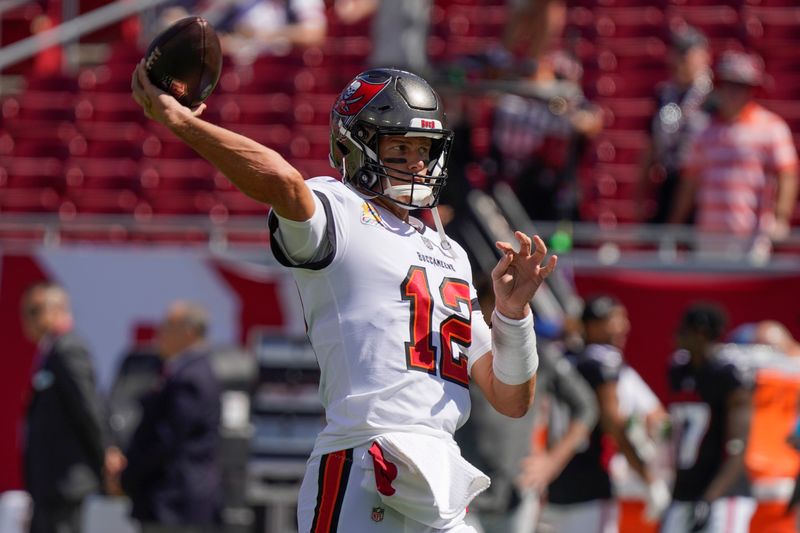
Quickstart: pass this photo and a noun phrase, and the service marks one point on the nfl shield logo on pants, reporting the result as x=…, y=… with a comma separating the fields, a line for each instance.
x=377, y=514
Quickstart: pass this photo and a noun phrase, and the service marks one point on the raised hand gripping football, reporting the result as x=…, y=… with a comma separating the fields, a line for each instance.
x=157, y=104
x=182, y=65
x=518, y=275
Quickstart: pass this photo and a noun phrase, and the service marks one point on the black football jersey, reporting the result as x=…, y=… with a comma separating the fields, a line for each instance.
x=586, y=477
x=698, y=409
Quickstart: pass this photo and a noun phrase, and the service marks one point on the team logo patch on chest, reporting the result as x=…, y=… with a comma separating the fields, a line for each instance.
x=370, y=216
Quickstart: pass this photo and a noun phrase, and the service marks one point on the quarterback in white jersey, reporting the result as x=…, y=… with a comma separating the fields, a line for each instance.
x=388, y=304
x=394, y=342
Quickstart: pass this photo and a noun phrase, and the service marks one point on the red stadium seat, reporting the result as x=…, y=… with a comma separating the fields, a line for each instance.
x=718, y=22
x=108, y=77
x=310, y=142
x=629, y=22
x=108, y=107
x=622, y=146
x=313, y=108
x=311, y=168
x=262, y=109
x=103, y=201
x=32, y=172
x=278, y=136
x=29, y=200
x=111, y=139
x=319, y=80
x=51, y=82
x=40, y=105
x=101, y=173
x=627, y=113
x=772, y=22
x=15, y=24
x=160, y=174
x=239, y=204
x=180, y=202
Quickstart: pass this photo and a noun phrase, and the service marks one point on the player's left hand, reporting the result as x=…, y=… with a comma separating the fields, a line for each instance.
x=657, y=500
x=518, y=275
x=537, y=470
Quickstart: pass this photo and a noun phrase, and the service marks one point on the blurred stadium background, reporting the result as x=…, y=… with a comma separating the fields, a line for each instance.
x=128, y=219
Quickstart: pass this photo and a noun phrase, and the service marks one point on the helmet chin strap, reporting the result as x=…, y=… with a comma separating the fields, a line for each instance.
x=423, y=193
x=447, y=248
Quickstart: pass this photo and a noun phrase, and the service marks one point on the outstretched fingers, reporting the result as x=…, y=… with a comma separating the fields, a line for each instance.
x=139, y=87
x=524, y=243
x=504, y=247
x=502, y=266
x=539, y=249
x=549, y=267
x=197, y=111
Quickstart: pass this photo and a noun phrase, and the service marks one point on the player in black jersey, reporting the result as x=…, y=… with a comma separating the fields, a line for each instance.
x=580, y=499
x=710, y=406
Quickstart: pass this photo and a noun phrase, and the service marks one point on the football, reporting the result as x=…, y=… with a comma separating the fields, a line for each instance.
x=185, y=60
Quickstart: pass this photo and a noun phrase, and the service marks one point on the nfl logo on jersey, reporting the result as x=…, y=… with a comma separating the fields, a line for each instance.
x=377, y=514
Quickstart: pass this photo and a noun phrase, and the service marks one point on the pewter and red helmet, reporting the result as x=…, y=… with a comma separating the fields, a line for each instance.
x=381, y=102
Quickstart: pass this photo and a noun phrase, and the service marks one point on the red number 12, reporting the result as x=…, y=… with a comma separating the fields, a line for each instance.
x=420, y=351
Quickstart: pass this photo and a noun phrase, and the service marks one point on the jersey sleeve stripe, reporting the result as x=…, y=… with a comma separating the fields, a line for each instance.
x=279, y=254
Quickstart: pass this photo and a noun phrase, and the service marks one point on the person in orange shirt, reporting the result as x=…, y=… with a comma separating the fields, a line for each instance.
x=771, y=461
x=741, y=170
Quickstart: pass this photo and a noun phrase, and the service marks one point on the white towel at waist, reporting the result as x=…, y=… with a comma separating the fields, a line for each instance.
x=432, y=483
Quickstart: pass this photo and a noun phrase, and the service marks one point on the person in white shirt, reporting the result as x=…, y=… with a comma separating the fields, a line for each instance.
x=388, y=304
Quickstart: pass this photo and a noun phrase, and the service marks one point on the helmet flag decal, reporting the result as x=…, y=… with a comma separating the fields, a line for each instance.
x=357, y=95
x=426, y=123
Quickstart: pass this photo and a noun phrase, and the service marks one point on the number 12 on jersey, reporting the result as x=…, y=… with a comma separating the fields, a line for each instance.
x=455, y=329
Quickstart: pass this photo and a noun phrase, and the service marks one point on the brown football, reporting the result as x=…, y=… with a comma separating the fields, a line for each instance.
x=185, y=60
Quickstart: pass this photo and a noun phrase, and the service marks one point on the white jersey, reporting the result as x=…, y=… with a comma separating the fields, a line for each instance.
x=392, y=319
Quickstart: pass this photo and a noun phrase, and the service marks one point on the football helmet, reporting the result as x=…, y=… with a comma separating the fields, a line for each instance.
x=382, y=102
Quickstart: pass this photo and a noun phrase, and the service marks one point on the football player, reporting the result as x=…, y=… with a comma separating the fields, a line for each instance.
x=581, y=497
x=388, y=303
x=710, y=407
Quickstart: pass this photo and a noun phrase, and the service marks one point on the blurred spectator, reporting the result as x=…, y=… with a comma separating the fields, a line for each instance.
x=541, y=128
x=741, y=171
x=646, y=424
x=771, y=460
x=534, y=26
x=679, y=117
x=501, y=446
x=769, y=332
x=399, y=31
x=775, y=334
x=138, y=373
x=249, y=28
x=63, y=440
x=581, y=499
x=711, y=407
x=172, y=475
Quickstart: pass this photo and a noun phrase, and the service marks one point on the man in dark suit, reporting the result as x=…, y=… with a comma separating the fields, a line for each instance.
x=173, y=474
x=63, y=441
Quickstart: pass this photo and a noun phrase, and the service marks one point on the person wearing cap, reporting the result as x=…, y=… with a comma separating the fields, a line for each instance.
x=710, y=405
x=679, y=116
x=741, y=170
x=581, y=498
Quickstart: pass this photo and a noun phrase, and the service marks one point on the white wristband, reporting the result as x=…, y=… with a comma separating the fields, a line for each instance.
x=514, y=349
